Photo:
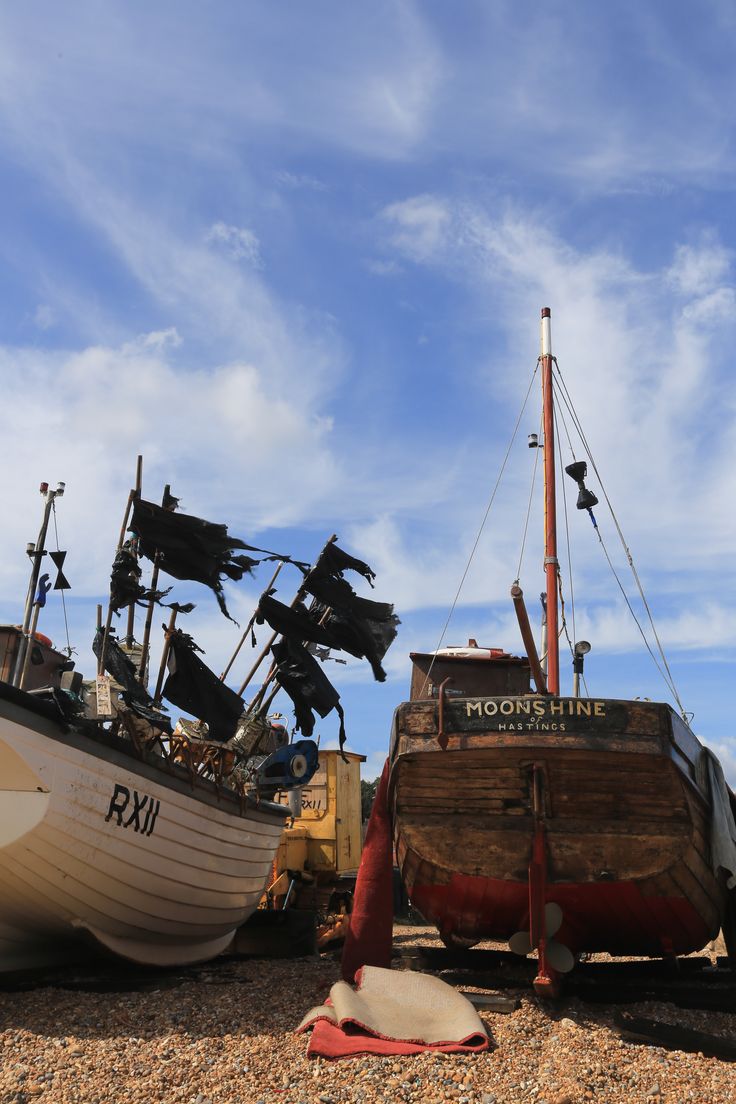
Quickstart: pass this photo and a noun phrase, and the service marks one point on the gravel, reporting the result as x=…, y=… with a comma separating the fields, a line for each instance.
x=226, y=1037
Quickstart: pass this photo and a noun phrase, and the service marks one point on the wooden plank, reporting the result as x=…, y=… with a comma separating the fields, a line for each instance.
x=530, y=744
x=674, y=1037
x=693, y=891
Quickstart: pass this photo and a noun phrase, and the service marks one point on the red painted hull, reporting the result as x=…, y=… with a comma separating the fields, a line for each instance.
x=612, y=916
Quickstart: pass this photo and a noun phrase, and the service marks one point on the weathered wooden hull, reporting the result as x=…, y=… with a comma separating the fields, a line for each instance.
x=625, y=821
x=96, y=843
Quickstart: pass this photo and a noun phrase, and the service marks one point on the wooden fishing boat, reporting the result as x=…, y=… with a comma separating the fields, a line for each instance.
x=117, y=828
x=560, y=824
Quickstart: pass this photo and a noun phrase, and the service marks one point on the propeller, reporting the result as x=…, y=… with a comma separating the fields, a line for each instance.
x=558, y=955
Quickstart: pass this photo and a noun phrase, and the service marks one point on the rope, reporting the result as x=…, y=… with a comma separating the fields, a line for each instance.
x=480, y=531
x=567, y=535
x=69, y=648
x=528, y=512
x=668, y=678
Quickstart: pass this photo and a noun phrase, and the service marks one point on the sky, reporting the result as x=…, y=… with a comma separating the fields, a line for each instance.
x=294, y=255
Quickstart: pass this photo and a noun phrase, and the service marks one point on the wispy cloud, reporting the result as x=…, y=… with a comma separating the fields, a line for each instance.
x=239, y=242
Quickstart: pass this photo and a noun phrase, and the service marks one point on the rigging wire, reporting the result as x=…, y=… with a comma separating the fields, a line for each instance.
x=668, y=677
x=480, y=530
x=567, y=534
x=69, y=648
x=569, y=547
x=528, y=509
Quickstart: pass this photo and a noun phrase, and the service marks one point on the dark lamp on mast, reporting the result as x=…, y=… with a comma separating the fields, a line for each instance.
x=577, y=471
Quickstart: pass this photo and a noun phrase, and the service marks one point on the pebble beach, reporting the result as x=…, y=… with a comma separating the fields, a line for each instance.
x=224, y=1034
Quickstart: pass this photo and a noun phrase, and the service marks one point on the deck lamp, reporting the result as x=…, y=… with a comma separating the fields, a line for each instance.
x=581, y=649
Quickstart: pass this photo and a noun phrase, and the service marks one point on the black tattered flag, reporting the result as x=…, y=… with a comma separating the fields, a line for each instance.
x=194, y=687
x=62, y=583
x=301, y=676
x=123, y=670
x=189, y=547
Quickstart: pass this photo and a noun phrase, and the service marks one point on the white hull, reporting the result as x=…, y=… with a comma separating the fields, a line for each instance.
x=93, y=841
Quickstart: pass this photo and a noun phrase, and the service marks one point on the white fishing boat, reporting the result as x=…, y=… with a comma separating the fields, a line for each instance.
x=152, y=841
x=95, y=841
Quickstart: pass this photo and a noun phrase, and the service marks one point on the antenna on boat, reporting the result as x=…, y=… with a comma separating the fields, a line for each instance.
x=551, y=563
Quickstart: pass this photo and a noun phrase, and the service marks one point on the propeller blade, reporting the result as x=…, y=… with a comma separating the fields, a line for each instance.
x=552, y=917
x=560, y=957
x=520, y=943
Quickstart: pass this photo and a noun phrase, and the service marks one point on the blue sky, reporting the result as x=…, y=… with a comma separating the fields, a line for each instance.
x=295, y=254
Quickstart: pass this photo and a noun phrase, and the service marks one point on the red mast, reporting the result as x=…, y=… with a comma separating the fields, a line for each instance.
x=550, y=507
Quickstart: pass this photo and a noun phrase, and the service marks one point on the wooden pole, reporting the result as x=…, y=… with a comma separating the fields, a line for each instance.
x=258, y=705
x=121, y=540
x=247, y=630
x=551, y=563
x=527, y=636
x=264, y=652
x=29, y=648
x=130, y=627
x=149, y=612
x=164, y=657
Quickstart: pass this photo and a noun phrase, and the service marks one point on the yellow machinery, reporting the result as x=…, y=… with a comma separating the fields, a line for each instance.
x=319, y=853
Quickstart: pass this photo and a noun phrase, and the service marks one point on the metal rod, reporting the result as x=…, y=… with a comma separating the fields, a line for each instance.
x=248, y=628
x=527, y=636
x=551, y=563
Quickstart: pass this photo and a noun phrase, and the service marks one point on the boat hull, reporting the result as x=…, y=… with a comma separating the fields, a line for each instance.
x=624, y=822
x=96, y=844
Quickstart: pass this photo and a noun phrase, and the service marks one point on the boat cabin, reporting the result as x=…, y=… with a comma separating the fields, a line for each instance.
x=469, y=672
x=46, y=665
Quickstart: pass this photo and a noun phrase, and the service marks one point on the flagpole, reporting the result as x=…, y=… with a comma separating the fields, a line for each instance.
x=297, y=598
x=129, y=630
x=149, y=612
x=248, y=628
x=258, y=704
x=164, y=656
x=134, y=493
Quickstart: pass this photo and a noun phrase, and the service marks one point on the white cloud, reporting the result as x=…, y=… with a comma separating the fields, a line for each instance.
x=299, y=181
x=699, y=269
x=239, y=242
x=225, y=442
x=418, y=226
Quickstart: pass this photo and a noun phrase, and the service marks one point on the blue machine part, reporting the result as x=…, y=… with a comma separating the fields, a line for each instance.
x=288, y=766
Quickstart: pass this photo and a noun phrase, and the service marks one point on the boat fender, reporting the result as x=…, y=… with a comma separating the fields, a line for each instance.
x=42, y=639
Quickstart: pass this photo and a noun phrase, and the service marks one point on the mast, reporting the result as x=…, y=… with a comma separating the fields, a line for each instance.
x=36, y=552
x=550, y=507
